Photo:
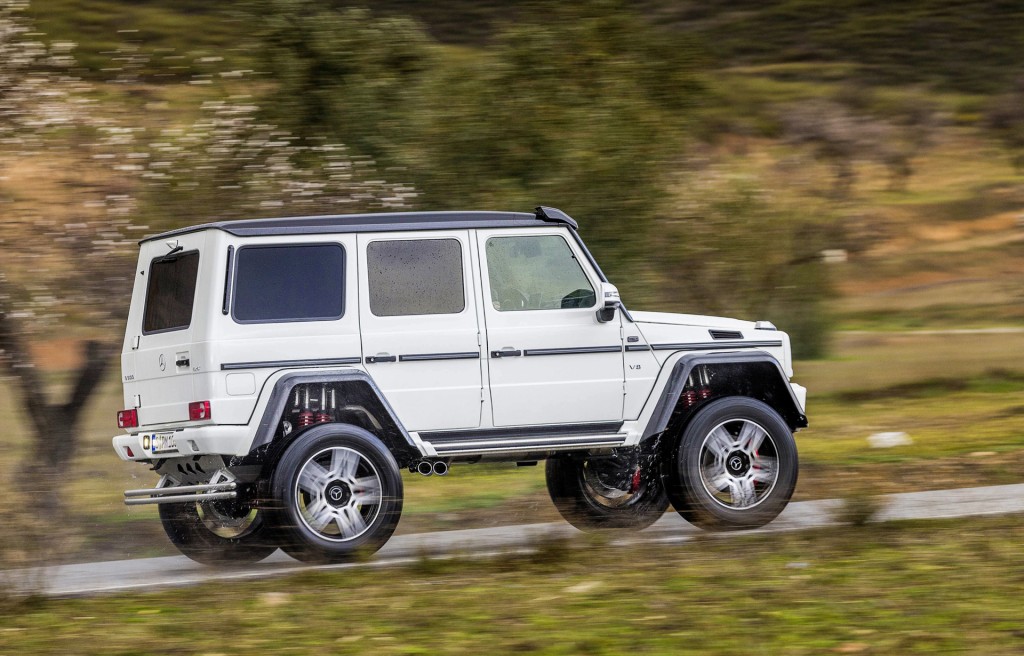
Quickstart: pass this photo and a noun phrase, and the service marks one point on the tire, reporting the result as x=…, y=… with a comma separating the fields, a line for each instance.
x=338, y=494
x=218, y=533
x=735, y=466
x=596, y=494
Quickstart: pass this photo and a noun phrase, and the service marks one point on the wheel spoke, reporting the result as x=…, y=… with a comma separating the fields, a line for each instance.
x=716, y=475
x=350, y=523
x=318, y=514
x=344, y=463
x=720, y=443
x=742, y=491
x=366, y=490
x=721, y=482
x=751, y=437
x=764, y=469
x=313, y=478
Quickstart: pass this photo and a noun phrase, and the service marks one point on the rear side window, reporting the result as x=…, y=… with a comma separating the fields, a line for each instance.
x=415, y=276
x=289, y=283
x=170, y=292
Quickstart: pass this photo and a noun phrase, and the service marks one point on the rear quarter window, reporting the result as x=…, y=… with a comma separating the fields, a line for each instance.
x=302, y=282
x=415, y=277
x=170, y=293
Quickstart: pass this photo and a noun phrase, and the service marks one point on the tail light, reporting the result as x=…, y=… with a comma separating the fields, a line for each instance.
x=199, y=410
x=128, y=418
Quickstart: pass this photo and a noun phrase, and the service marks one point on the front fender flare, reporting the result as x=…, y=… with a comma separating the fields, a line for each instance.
x=772, y=387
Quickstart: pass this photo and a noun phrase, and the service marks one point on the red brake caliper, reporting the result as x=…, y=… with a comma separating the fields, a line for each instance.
x=635, y=486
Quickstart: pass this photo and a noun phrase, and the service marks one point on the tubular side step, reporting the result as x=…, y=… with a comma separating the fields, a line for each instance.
x=181, y=494
x=527, y=445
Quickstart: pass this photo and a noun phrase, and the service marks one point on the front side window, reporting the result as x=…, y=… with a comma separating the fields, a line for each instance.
x=302, y=282
x=536, y=273
x=170, y=293
x=415, y=277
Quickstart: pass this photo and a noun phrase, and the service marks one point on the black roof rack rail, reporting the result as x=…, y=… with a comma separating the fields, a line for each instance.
x=379, y=222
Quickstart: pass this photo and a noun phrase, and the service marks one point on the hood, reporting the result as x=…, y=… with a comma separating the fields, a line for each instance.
x=666, y=329
x=696, y=320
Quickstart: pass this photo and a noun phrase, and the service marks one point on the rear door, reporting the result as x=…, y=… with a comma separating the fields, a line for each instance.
x=420, y=330
x=156, y=361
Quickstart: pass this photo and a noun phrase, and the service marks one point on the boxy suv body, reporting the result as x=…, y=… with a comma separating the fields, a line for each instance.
x=279, y=373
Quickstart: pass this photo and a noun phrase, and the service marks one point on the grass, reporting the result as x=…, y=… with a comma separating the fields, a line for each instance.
x=942, y=586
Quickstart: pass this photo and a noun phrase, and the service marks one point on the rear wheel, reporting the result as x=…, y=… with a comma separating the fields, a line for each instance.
x=605, y=493
x=735, y=466
x=218, y=533
x=340, y=494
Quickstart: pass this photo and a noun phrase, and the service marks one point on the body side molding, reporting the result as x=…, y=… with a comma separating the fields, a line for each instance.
x=281, y=364
x=715, y=346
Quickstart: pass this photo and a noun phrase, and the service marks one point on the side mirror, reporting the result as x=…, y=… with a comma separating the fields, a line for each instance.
x=610, y=296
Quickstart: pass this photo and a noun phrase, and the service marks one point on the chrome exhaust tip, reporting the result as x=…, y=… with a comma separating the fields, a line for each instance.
x=440, y=467
x=424, y=468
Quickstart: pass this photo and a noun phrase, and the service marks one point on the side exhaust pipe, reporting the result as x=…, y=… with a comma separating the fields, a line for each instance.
x=440, y=467
x=424, y=468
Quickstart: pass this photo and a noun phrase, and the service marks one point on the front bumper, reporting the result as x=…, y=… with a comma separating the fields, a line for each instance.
x=801, y=396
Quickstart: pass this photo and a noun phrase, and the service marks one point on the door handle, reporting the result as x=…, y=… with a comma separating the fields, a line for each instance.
x=381, y=357
x=507, y=352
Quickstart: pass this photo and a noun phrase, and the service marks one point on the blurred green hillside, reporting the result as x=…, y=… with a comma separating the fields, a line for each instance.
x=971, y=46
x=843, y=169
x=703, y=129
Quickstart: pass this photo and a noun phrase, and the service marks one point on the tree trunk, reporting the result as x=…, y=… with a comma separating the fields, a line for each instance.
x=43, y=475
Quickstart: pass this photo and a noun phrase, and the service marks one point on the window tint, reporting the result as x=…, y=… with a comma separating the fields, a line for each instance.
x=289, y=283
x=536, y=273
x=170, y=292
x=415, y=276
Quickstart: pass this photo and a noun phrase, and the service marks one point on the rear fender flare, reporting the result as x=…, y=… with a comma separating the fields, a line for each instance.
x=356, y=385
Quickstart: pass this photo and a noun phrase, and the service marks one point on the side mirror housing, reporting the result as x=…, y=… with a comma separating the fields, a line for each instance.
x=611, y=301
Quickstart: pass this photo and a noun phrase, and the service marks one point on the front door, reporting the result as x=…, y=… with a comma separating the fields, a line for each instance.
x=421, y=336
x=550, y=360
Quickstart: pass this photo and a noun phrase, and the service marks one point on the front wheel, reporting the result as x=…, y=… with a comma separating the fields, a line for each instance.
x=735, y=466
x=605, y=492
x=218, y=532
x=339, y=494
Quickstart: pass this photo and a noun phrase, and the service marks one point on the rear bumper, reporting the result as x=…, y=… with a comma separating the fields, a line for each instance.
x=197, y=441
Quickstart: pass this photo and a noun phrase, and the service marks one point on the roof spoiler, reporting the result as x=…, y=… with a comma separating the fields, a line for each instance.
x=555, y=215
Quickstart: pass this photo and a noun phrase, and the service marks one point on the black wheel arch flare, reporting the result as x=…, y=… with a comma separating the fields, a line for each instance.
x=756, y=375
x=354, y=385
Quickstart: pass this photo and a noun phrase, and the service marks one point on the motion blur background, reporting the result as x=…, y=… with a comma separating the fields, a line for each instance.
x=852, y=171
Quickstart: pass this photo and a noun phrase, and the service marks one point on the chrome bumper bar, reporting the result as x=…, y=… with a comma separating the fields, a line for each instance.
x=167, y=491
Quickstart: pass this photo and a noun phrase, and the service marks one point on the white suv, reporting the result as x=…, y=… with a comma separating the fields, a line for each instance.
x=280, y=373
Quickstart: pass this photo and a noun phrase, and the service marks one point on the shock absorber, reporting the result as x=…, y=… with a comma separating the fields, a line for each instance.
x=705, y=384
x=323, y=416
x=306, y=417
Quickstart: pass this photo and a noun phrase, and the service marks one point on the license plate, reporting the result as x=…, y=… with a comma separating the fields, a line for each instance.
x=163, y=442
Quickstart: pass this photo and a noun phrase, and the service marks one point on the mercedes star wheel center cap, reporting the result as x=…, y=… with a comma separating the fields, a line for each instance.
x=338, y=494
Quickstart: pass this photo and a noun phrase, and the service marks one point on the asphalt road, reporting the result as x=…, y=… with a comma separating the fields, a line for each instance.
x=148, y=573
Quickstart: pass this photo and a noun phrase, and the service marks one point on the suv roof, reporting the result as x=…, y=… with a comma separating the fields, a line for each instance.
x=380, y=222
